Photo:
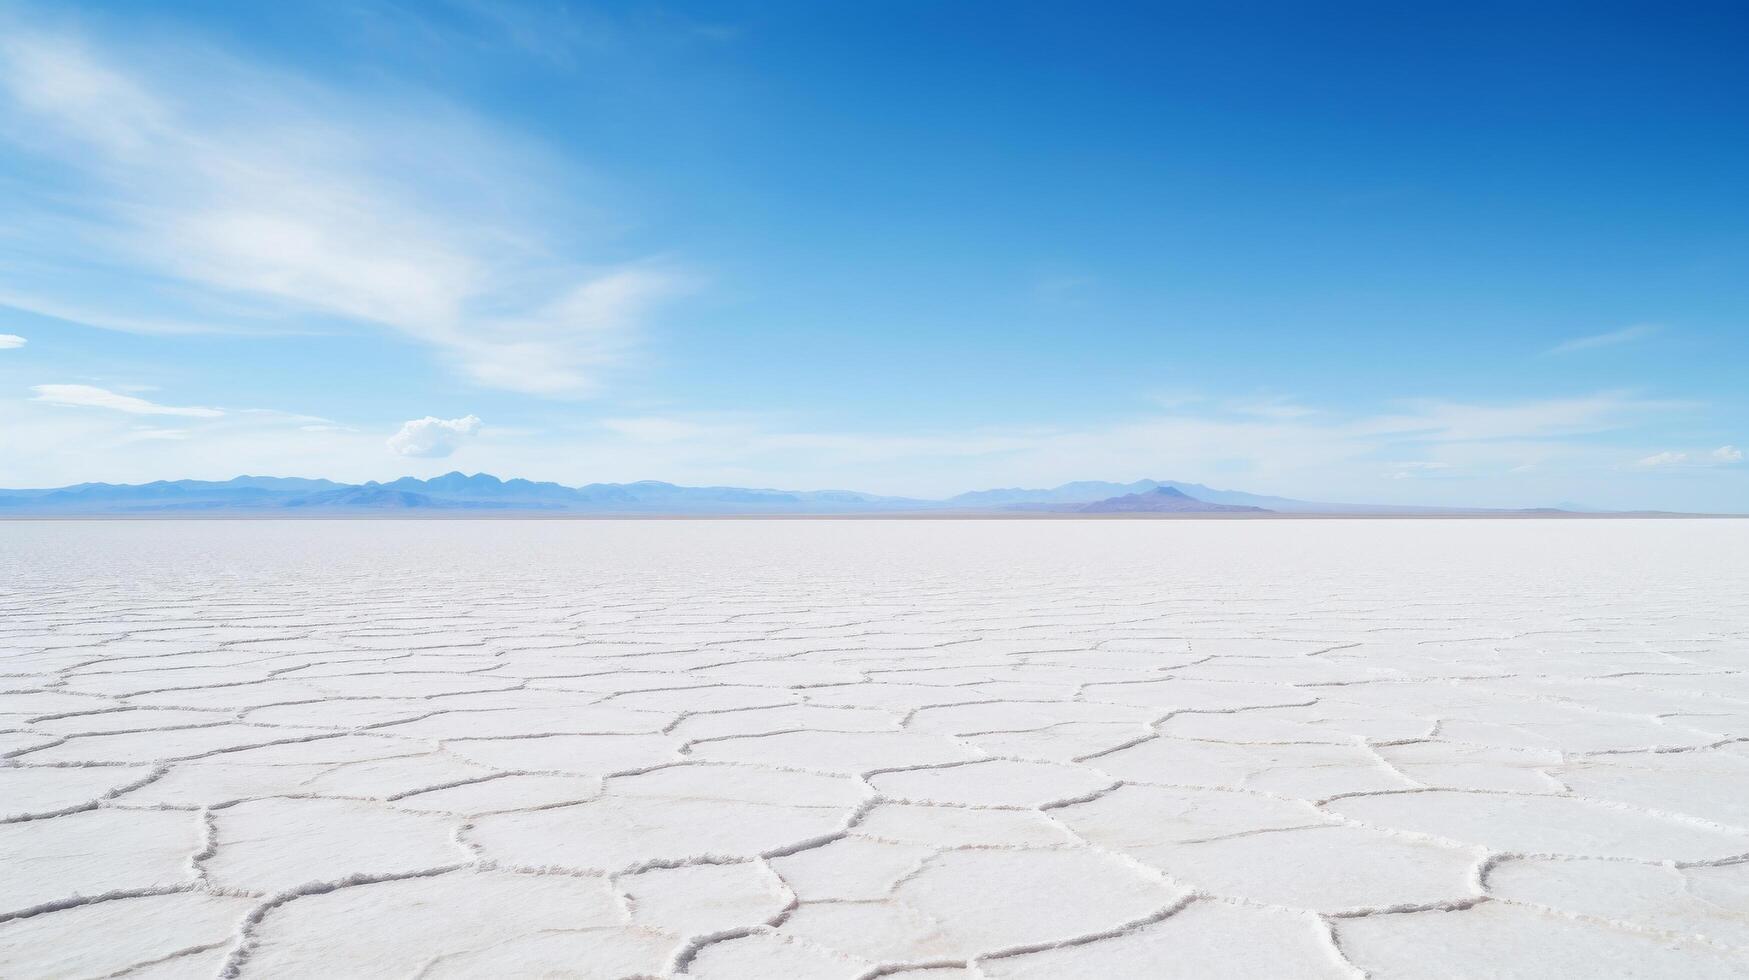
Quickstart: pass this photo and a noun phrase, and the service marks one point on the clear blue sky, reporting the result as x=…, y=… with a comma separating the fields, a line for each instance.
x=1431, y=253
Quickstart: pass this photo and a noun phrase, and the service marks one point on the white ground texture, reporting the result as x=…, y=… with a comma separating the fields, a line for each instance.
x=933, y=750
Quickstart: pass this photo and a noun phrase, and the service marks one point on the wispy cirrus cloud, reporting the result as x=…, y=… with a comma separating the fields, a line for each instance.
x=11, y=341
x=223, y=196
x=88, y=396
x=1625, y=335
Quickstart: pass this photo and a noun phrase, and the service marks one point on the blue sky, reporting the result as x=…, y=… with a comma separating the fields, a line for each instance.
x=1484, y=253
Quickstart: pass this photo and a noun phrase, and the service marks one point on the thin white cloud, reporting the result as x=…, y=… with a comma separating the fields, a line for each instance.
x=276, y=199
x=1440, y=421
x=73, y=312
x=1277, y=407
x=433, y=438
x=659, y=429
x=87, y=396
x=1722, y=456
x=1058, y=286
x=11, y=341
x=1409, y=469
x=173, y=435
x=1173, y=398
x=561, y=347
x=286, y=418
x=1623, y=336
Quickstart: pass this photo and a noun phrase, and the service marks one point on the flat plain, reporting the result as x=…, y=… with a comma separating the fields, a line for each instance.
x=932, y=750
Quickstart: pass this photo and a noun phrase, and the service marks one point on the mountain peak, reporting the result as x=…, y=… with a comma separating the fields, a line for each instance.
x=1164, y=500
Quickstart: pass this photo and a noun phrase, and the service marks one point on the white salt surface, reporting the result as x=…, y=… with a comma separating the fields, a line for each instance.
x=929, y=749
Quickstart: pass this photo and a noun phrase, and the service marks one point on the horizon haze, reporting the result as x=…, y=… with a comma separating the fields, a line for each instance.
x=457, y=494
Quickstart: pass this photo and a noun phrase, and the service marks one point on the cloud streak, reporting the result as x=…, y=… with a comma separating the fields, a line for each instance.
x=1664, y=459
x=1625, y=335
x=11, y=341
x=87, y=396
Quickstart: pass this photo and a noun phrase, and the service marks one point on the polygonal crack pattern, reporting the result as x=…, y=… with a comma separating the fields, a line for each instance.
x=928, y=749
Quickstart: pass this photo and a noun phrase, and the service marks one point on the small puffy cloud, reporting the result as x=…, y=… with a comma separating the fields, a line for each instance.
x=11, y=341
x=1664, y=459
x=1727, y=454
x=432, y=438
x=87, y=396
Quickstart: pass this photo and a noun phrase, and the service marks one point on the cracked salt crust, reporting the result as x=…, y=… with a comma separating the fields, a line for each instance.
x=58, y=860
x=105, y=938
x=277, y=845
x=500, y=794
x=1205, y=939
x=1531, y=945
x=854, y=749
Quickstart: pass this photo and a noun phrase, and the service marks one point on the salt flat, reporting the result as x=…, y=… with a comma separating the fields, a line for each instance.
x=928, y=749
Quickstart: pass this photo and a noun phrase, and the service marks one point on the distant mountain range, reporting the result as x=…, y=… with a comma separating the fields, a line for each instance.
x=450, y=492
x=457, y=494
